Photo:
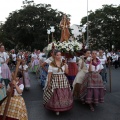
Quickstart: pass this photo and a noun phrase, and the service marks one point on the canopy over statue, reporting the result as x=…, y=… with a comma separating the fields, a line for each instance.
x=65, y=24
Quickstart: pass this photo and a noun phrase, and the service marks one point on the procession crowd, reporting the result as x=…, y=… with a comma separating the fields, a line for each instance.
x=63, y=79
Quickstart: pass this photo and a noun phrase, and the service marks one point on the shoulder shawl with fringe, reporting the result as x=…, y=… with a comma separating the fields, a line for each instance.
x=53, y=64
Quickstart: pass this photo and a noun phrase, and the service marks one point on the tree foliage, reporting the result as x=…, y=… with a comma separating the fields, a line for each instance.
x=104, y=27
x=27, y=27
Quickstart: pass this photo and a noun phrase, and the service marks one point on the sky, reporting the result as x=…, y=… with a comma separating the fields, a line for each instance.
x=76, y=8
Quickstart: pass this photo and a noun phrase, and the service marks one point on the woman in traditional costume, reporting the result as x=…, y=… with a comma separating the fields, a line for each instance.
x=6, y=75
x=2, y=91
x=24, y=69
x=44, y=69
x=2, y=88
x=57, y=95
x=82, y=68
x=94, y=91
x=35, y=62
x=17, y=109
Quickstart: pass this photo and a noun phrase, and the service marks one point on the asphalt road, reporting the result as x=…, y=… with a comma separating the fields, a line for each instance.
x=110, y=110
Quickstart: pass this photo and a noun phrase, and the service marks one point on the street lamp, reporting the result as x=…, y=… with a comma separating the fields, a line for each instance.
x=83, y=31
x=52, y=31
x=87, y=42
x=48, y=32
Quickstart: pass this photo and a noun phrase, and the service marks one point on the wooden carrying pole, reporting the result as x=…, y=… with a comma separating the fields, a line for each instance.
x=10, y=94
x=23, y=75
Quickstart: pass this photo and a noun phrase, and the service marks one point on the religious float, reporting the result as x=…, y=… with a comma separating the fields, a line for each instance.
x=68, y=48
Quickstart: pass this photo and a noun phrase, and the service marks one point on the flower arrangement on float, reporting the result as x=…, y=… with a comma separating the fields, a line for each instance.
x=68, y=48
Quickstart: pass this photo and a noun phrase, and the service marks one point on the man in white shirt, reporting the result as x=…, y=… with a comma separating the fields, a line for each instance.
x=34, y=54
x=103, y=61
x=115, y=60
x=109, y=58
x=108, y=54
x=20, y=55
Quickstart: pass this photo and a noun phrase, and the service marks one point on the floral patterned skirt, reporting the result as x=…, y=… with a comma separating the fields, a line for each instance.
x=43, y=76
x=61, y=100
x=92, y=89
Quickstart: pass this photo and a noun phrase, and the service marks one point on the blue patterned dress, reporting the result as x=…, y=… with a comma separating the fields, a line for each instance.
x=3, y=89
x=43, y=75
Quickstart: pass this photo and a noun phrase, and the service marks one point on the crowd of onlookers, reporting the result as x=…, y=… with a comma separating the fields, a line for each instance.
x=26, y=55
x=114, y=58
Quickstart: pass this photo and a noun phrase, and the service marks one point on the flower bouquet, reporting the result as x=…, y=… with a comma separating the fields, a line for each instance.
x=67, y=48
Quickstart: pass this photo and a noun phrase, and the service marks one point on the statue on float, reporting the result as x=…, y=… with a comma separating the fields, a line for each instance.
x=64, y=25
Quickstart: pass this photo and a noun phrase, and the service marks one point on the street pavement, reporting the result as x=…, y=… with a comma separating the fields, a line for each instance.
x=110, y=110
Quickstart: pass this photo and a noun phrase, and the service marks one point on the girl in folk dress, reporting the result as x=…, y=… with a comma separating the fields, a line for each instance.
x=2, y=91
x=44, y=70
x=57, y=95
x=82, y=67
x=6, y=75
x=2, y=88
x=17, y=109
x=24, y=68
x=35, y=63
x=94, y=92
